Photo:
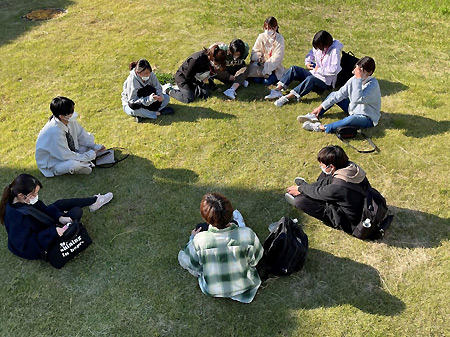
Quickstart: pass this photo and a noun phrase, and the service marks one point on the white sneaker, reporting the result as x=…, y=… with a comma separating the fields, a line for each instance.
x=101, y=200
x=166, y=88
x=245, y=84
x=310, y=126
x=307, y=118
x=230, y=93
x=281, y=101
x=274, y=94
x=237, y=216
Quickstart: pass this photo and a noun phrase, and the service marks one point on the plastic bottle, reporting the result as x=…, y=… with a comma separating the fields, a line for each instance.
x=367, y=223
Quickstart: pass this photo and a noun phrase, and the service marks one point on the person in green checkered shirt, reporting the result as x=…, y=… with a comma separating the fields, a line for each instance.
x=223, y=253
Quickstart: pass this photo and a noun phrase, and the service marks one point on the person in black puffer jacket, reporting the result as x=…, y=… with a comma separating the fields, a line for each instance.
x=328, y=199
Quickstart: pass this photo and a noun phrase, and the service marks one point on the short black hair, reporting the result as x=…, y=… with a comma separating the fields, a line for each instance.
x=237, y=45
x=61, y=105
x=322, y=39
x=333, y=155
x=367, y=63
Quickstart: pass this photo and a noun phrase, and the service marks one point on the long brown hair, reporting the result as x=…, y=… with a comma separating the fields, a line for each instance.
x=217, y=55
x=24, y=183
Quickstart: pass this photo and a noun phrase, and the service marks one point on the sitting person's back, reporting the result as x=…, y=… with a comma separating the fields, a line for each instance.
x=223, y=257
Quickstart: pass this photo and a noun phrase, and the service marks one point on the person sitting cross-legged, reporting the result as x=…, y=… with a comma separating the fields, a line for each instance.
x=223, y=253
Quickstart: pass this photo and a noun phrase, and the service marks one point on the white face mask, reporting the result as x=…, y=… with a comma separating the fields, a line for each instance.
x=34, y=200
x=324, y=170
x=269, y=32
x=145, y=78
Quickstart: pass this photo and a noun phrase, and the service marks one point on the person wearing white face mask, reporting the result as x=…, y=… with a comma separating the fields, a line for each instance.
x=33, y=227
x=360, y=97
x=267, y=54
x=142, y=95
x=63, y=146
x=329, y=199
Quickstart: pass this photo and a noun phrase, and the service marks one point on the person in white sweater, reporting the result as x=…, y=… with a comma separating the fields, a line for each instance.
x=142, y=95
x=63, y=146
x=360, y=97
x=267, y=54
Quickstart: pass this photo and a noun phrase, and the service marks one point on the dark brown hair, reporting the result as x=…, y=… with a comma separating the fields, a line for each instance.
x=334, y=155
x=24, y=183
x=217, y=55
x=140, y=65
x=216, y=209
x=367, y=63
x=271, y=22
x=322, y=39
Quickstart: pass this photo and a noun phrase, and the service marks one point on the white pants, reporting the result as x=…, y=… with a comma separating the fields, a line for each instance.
x=72, y=167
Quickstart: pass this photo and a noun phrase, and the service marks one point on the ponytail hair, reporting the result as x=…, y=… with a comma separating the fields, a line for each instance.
x=140, y=65
x=24, y=183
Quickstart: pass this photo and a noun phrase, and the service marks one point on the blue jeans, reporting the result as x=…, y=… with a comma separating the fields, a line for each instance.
x=266, y=81
x=307, y=84
x=360, y=121
x=145, y=113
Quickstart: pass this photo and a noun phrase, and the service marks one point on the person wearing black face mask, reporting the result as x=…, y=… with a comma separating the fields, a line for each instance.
x=329, y=199
x=63, y=146
x=34, y=227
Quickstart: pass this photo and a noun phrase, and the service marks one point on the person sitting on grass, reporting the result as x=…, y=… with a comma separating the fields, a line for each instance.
x=63, y=146
x=193, y=78
x=267, y=54
x=26, y=217
x=223, y=253
x=236, y=70
x=335, y=204
x=360, y=97
x=142, y=95
x=323, y=62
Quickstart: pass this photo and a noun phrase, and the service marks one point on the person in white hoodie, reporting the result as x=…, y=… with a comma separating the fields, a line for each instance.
x=63, y=146
x=267, y=54
x=142, y=95
x=323, y=63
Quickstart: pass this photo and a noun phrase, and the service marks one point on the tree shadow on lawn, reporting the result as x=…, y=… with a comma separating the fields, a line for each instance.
x=11, y=12
x=188, y=113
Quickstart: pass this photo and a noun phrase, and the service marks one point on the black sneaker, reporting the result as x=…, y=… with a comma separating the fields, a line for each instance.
x=138, y=119
x=167, y=111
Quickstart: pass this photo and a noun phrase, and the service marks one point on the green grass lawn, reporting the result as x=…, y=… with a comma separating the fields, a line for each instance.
x=129, y=283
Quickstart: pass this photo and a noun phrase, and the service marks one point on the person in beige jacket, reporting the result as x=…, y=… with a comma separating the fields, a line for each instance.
x=267, y=54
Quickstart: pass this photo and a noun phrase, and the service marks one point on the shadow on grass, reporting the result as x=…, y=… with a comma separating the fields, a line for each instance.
x=413, y=125
x=188, y=113
x=329, y=281
x=415, y=229
x=10, y=15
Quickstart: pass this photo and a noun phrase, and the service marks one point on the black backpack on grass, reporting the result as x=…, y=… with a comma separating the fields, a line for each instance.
x=285, y=249
x=348, y=61
x=374, y=219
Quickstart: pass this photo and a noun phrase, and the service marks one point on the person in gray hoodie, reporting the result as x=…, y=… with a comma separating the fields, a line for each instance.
x=328, y=199
x=142, y=95
x=360, y=97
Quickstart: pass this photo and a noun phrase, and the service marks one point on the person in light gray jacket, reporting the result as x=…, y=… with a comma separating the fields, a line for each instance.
x=142, y=95
x=360, y=97
x=63, y=146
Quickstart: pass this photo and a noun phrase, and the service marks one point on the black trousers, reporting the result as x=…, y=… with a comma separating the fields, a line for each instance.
x=72, y=207
x=314, y=208
x=187, y=92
